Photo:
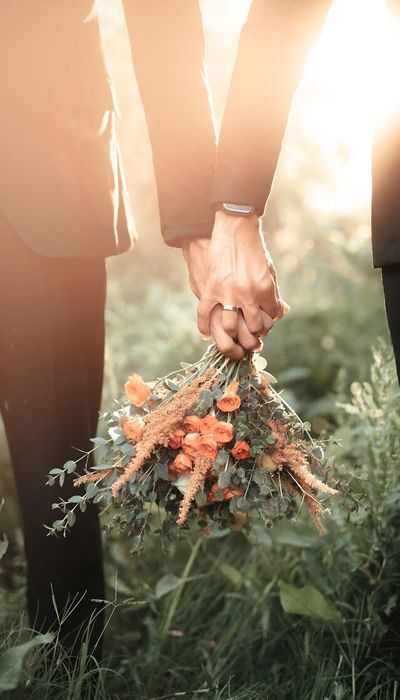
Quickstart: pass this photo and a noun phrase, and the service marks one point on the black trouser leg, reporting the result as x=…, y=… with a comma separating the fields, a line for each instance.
x=51, y=373
x=391, y=287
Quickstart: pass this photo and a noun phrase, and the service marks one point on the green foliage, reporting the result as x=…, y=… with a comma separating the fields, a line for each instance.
x=12, y=661
x=293, y=615
x=307, y=601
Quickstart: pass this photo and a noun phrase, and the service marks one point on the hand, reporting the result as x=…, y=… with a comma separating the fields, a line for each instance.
x=236, y=268
x=235, y=340
x=195, y=252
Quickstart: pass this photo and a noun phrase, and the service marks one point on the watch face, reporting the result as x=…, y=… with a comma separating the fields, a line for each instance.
x=238, y=209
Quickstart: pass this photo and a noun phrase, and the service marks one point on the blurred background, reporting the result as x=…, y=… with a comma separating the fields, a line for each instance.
x=317, y=219
x=317, y=227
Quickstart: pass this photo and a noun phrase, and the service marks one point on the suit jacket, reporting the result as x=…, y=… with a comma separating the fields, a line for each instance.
x=271, y=55
x=61, y=181
x=61, y=184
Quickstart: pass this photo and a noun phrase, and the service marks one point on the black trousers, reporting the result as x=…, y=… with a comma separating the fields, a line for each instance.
x=51, y=374
x=391, y=288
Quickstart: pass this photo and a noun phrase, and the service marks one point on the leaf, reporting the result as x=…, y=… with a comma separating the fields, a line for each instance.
x=307, y=601
x=161, y=471
x=11, y=661
x=166, y=584
x=70, y=466
x=296, y=536
x=75, y=499
x=3, y=546
x=91, y=489
x=206, y=399
x=100, y=440
x=269, y=377
x=259, y=362
x=171, y=385
x=71, y=518
x=231, y=573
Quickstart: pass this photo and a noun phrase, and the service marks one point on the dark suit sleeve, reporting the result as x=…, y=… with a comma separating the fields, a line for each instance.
x=271, y=55
x=167, y=46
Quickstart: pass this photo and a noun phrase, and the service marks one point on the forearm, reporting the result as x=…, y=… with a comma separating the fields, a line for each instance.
x=168, y=55
x=271, y=55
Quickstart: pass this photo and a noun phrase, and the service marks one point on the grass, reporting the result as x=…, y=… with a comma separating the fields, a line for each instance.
x=221, y=632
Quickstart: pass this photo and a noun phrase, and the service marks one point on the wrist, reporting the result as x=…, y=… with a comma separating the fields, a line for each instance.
x=235, y=226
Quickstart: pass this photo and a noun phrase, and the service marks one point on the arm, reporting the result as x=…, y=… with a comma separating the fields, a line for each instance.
x=167, y=47
x=272, y=52
x=271, y=55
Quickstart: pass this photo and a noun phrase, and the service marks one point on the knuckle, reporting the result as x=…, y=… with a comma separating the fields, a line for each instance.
x=250, y=344
x=255, y=326
x=225, y=346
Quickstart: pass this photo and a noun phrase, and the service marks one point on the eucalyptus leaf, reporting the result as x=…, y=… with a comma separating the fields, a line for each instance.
x=173, y=386
x=71, y=518
x=99, y=441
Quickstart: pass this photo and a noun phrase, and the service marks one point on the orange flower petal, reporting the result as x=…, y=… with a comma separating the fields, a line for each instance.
x=181, y=464
x=133, y=428
x=137, y=390
x=241, y=450
x=192, y=424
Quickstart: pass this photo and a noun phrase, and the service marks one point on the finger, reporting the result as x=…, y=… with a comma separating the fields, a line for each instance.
x=204, y=311
x=268, y=326
x=229, y=320
x=247, y=340
x=282, y=307
x=224, y=342
x=268, y=322
x=253, y=317
x=271, y=303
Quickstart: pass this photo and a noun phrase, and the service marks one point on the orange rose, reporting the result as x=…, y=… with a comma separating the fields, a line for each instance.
x=212, y=494
x=222, y=432
x=133, y=428
x=207, y=423
x=175, y=440
x=241, y=450
x=230, y=401
x=137, y=390
x=192, y=424
x=190, y=444
x=226, y=493
x=181, y=464
x=207, y=447
x=230, y=493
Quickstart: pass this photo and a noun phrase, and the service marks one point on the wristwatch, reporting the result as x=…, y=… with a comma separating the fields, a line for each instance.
x=236, y=209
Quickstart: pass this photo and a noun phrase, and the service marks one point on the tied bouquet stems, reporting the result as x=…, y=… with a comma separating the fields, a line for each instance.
x=212, y=445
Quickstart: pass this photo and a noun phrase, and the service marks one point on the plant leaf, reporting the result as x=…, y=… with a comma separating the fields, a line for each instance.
x=173, y=386
x=12, y=660
x=231, y=573
x=307, y=601
x=166, y=584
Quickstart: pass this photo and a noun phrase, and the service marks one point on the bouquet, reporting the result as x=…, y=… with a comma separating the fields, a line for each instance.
x=212, y=445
